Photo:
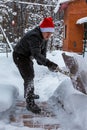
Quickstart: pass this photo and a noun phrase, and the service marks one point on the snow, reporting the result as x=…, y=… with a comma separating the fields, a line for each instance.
x=82, y=20
x=51, y=86
x=30, y=3
x=6, y=38
x=8, y=93
x=4, y=126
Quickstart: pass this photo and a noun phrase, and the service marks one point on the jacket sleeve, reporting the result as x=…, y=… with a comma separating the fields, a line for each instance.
x=35, y=47
x=43, y=50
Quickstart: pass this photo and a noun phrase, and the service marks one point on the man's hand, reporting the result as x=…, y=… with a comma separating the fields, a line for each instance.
x=52, y=66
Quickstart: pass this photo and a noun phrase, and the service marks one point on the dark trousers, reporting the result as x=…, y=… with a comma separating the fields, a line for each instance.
x=25, y=67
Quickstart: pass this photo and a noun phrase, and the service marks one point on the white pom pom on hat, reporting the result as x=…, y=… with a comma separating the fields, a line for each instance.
x=47, y=25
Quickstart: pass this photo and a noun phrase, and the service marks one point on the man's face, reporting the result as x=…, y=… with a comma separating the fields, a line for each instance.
x=46, y=35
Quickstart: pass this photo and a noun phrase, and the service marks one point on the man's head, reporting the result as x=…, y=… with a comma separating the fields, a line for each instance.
x=47, y=27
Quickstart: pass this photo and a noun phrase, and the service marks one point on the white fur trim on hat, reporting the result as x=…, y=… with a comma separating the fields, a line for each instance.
x=47, y=29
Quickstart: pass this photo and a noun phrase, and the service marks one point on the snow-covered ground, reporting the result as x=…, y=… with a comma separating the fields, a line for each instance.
x=50, y=86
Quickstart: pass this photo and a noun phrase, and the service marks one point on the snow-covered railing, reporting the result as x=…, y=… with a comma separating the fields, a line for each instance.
x=30, y=3
x=6, y=38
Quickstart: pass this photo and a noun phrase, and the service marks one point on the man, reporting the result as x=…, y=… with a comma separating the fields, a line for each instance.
x=33, y=44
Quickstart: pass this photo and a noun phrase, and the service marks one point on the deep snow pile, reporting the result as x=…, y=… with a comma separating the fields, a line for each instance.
x=69, y=104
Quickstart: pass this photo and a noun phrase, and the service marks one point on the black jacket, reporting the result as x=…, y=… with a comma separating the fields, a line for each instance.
x=33, y=44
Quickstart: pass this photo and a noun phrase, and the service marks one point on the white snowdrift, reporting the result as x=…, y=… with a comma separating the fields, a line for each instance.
x=50, y=86
x=8, y=95
x=71, y=98
x=73, y=102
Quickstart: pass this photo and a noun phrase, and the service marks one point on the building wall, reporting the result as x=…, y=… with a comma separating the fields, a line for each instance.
x=74, y=32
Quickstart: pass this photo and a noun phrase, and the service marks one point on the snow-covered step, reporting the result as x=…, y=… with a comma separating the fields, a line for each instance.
x=8, y=95
x=20, y=117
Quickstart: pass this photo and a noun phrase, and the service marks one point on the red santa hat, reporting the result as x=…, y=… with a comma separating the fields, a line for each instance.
x=47, y=25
